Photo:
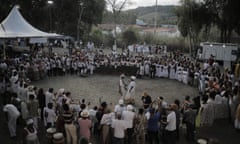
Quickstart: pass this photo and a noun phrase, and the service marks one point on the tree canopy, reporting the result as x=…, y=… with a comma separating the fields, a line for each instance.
x=195, y=16
x=64, y=14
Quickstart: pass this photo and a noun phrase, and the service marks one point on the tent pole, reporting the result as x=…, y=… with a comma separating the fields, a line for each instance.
x=4, y=50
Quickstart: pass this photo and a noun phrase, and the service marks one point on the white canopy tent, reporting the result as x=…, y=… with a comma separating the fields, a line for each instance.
x=15, y=26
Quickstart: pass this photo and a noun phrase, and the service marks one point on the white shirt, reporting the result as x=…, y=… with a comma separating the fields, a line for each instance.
x=171, y=120
x=128, y=116
x=106, y=119
x=121, y=83
x=132, y=85
x=119, y=109
x=11, y=110
x=49, y=98
x=51, y=115
x=119, y=127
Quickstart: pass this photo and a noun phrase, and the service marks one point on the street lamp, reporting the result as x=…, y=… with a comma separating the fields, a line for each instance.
x=50, y=2
x=81, y=8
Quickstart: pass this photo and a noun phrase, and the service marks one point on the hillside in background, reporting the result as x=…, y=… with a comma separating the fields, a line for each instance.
x=165, y=15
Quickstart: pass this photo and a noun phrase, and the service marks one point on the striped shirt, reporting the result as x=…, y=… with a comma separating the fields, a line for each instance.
x=68, y=117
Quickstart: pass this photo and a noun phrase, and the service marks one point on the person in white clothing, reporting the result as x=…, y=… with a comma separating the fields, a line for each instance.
x=129, y=116
x=13, y=115
x=131, y=89
x=141, y=70
x=30, y=133
x=122, y=86
x=120, y=107
x=49, y=115
x=119, y=127
x=14, y=82
x=49, y=96
x=170, y=126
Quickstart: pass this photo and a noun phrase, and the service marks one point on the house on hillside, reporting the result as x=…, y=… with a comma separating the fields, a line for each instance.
x=140, y=22
x=109, y=28
x=162, y=31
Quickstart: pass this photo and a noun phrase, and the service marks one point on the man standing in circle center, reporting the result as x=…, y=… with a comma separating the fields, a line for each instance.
x=122, y=86
x=131, y=89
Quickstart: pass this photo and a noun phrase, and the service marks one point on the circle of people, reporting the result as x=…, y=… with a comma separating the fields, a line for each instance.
x=62, y=116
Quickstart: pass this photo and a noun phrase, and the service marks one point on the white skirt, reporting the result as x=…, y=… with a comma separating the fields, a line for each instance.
x=237, y=124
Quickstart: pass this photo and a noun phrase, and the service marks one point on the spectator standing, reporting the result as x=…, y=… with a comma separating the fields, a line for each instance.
x=33, y=106
x=49, y=96
x=70, y=128
x=50, y=115
x=189, y=118
x=30, y=133
x=170, y=126
x=153, y=127
x=140, y=123
x=106, y=122
x=129, y=116
x=85, y=125
x=147, y=100
x=41, y=99
x=119, y=127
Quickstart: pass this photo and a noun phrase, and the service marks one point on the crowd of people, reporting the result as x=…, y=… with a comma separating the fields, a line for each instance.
x=78, y=122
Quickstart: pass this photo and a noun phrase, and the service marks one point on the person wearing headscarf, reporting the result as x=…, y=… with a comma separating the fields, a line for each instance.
x=131, y=89
x=30, y=133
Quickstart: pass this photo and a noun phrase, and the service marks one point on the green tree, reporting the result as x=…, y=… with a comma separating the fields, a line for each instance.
x=116, y=7
x=97, y=36
x=129, y=37
x=226, y=16
x=192, y=17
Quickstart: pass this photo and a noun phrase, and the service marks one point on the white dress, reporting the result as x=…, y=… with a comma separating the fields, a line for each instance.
x=172, y=72
x=141, y=70
x=131, y=90
x=158, y=69
x=185, y=77
x=146, y=68
x=165, y=71
x=179, y=74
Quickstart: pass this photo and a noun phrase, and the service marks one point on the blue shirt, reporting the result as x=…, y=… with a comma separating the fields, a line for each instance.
x=153, y=122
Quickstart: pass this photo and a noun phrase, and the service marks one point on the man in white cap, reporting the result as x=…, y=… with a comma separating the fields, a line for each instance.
x=13, y=115
x=131, y=89
x=120, y=107
x=122, y=86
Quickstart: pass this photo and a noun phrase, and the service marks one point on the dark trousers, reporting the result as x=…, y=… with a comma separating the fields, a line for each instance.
x=170, y=137
x=152, y=74
x=153, y=137
x=190, y=131
x=118, y=140
x=129, y=135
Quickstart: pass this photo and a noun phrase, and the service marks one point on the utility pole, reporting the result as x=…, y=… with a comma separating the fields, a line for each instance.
x=79, y=19
x=155, y=22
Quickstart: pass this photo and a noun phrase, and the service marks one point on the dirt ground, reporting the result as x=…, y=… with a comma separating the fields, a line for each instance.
x=105, y=87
